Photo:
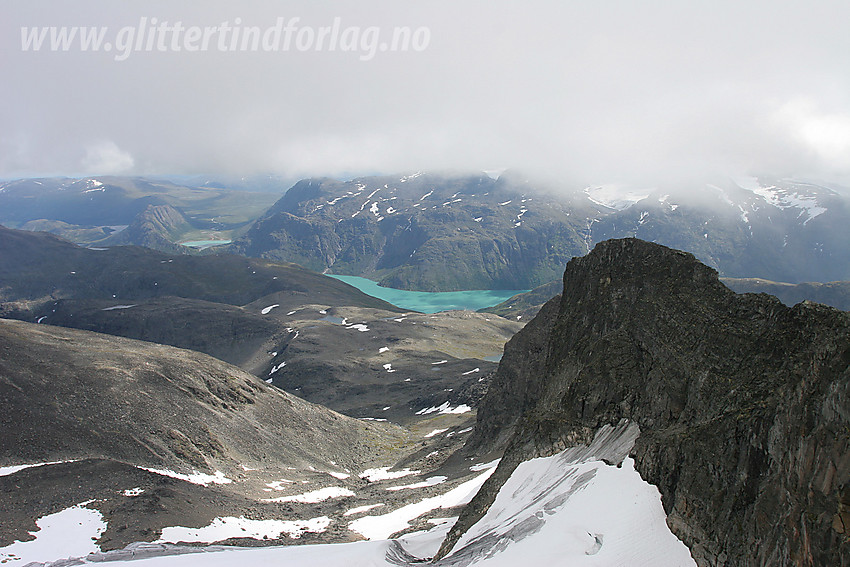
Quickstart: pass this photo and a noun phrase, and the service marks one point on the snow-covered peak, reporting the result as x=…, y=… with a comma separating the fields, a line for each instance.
x=494, y=173
x=90, y=185
x=615, y=197
x=790, y=194
x=407, y=178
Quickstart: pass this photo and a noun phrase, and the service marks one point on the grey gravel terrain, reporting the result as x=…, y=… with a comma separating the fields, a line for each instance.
x=108, y=406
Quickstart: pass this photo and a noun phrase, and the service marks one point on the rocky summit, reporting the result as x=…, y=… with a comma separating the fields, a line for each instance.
x=742, y=402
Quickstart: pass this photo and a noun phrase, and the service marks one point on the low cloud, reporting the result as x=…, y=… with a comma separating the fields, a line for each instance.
x=107, y=158
x=624, y=92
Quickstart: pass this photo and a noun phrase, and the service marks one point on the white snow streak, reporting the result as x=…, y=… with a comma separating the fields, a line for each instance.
x=315, y=496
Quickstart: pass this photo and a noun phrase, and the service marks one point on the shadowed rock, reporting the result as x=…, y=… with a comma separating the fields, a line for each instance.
x=742, y=402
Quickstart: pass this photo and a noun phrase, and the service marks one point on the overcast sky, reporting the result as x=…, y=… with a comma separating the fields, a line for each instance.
x=594, y=91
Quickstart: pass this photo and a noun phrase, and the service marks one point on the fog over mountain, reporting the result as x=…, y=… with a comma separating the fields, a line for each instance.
x=633, y=93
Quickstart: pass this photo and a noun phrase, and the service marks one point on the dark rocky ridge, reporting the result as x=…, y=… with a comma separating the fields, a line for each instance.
x=834, y=294
x=233, y=334
x=742, y=402
x=40, y=266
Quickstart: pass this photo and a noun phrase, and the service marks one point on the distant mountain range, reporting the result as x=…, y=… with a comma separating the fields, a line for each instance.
x=453, y=232
x=160, y=213
x=438, y=233
x=423, y=232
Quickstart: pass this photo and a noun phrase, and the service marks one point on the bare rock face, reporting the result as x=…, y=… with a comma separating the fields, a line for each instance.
x=742, y=402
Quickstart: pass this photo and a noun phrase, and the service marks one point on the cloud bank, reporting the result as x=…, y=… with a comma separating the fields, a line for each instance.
x=603, y=92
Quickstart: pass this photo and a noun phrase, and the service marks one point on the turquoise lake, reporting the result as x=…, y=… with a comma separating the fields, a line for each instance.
x=205, y=243
x=431, y=302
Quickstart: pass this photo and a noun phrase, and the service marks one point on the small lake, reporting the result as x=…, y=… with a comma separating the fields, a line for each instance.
x=431, y=302
x=205, y=243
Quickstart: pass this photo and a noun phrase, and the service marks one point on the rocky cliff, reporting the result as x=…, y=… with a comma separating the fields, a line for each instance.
x=742, y=402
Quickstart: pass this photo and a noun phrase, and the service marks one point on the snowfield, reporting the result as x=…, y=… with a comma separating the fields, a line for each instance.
x=552, y=512
x=568, y=509
x=69, y=533
x=229, y=527
x=4, y=471
x=315, y=496
x=267, y=310
x=445, y=407
x=196, y=477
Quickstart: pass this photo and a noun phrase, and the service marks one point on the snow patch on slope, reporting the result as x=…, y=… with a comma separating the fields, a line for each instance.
x=231, y=527
x=69, y=533
x=315, y=496
x=614, y=196
x=574, y=509
x=196, y=477
x=4, y=471
x=793, y=195
x=382, y=527
x=445, y=407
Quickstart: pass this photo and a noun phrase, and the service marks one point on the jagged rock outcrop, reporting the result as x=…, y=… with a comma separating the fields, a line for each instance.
x=836, y=294
x=742, y=402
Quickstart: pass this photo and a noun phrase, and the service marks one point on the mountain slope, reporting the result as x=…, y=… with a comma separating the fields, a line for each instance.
x=426, y=232
x=157, y=227
x=197, y=303
x=113, y=405
x=743, y=404
x=442, y=233
x=41, y=266
x=279, y=322
x=110, y=397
